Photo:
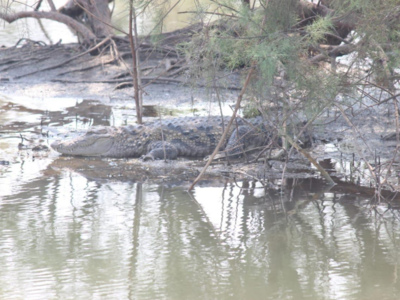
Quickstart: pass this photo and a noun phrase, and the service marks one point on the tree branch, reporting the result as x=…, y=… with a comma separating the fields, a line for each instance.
x=335, y=52
x=223, y=137
x=55, y=16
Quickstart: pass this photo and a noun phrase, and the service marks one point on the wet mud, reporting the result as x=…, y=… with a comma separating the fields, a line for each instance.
x=36, y=110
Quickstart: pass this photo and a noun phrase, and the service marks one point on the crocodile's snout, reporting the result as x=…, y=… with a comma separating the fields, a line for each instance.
x=61, y=147
x=85, y=146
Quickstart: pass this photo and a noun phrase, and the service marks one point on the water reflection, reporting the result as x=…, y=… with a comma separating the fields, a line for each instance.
x=64, y=236
x=90, y=112
x=77, y=234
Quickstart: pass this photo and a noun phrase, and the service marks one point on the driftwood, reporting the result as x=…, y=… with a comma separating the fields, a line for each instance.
x=128, y=83
x=334, y=52
x=66, y=61
x=81, y=69
x=99, y=19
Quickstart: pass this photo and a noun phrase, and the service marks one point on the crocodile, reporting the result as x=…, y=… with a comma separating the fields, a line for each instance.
x=169, y=138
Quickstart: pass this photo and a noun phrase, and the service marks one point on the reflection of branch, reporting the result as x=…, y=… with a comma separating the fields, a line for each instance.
x=205, y=216
x=226, y=6
x=262, y=182
x=135, y=232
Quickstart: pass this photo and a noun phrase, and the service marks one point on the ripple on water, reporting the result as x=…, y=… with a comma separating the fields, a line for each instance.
x=65, y=236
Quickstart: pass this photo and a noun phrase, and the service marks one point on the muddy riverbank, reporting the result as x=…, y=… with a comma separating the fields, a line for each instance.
x=41, y=103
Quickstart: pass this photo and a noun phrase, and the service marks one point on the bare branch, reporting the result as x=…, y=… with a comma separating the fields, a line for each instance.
x=55, y=16
x=335, y=52
x=222, y=139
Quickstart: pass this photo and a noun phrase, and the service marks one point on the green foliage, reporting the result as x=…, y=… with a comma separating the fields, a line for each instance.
x=270, y=38
x=318, y=29
x=280, y=15
x=357, y=5
x=251, y=111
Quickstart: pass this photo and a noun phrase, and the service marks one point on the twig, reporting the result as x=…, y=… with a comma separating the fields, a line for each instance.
x=252, y=177
x=335, y=52
x=150, y=79
x=226, y=6
x=38, y=5
x=126, y=74
x=207, y=12
x=163, y=17
x=396, y=150
x=99, y=19
x=162, y=134
x=22, y=63
x=87, y=68
x=181, y=69
x=311, y=159
x=135, y=74
x=139, y=75
x=52, y=6
x=222, y=139
x=40, y=43
x=317, y=165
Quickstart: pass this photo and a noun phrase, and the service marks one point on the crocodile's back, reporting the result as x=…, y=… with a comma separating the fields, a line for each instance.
x=192, y=136
x=188, y=136
x=195, y=136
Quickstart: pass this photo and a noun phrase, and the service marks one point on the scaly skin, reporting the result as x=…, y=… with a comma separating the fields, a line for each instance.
x=188, y=136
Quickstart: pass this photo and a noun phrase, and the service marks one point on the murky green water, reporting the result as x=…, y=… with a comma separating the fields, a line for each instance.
x=67, y=235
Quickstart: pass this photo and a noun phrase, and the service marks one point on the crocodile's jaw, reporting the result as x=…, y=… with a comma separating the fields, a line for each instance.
x=92, y=143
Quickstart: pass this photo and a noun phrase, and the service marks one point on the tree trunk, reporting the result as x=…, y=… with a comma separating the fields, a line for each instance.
x=98, y=12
